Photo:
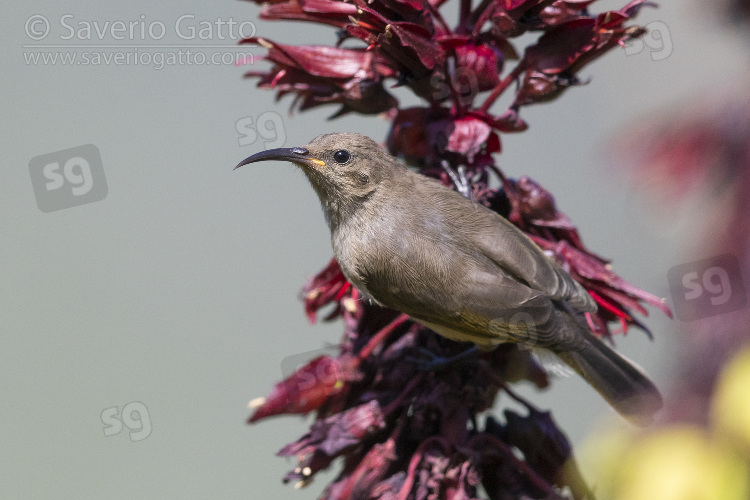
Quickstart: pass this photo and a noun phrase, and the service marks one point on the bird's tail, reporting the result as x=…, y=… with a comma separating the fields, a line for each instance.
x=620, y=381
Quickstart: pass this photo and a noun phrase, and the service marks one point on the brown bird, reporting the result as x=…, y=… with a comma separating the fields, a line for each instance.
x=411, y=244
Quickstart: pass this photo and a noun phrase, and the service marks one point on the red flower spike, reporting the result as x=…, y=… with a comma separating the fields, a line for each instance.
x=401, y=432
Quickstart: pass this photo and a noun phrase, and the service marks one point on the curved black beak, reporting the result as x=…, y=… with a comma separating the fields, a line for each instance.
x=295, y=155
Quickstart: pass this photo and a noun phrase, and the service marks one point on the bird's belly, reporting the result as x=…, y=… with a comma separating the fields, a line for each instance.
x=483, y=342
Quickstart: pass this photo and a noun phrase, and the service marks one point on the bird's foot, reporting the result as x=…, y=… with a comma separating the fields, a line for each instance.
x=429, y=361
x=458, y=177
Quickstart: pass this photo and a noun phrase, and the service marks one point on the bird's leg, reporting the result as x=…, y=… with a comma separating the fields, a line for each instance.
x=433, y=362
x=474, y=425
x=466, y=191
x=458, y=178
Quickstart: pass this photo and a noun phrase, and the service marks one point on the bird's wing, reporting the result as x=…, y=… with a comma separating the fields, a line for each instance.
x=510, y=249
x=486, y=305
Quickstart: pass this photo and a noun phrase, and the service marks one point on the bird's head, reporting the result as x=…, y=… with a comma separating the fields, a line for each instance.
x=345, y=169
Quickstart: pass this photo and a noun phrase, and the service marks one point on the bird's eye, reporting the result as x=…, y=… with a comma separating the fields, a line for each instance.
x=341, y=156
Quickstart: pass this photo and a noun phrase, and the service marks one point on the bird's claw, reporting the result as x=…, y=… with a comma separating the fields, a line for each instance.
x=458, y=177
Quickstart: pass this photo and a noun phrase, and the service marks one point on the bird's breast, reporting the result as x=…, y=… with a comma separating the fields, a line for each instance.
x=397, y=264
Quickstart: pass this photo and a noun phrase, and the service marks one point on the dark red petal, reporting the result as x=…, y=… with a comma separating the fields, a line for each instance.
x=520, y=7
x=325, y=61
x=510, y=121
x=562, y=11
x=535, y=202
x=559, y=47
x=368, y=97
x=321, y=11
x=594, y=269
x=480, y=63
x=465, y=136
x=334, y=434
x=407, y=137
x=538, y=86
x=420, y=40
x=329, y=286
x=309, y=387
x=366, y=474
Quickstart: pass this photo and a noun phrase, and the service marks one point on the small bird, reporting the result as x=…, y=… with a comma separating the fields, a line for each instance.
x=411, y=244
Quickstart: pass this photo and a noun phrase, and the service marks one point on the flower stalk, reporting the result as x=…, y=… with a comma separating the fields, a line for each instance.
x=403, y=432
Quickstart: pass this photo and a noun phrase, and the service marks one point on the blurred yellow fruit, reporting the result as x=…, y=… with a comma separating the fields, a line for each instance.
x=731, y=405
x=681, y=463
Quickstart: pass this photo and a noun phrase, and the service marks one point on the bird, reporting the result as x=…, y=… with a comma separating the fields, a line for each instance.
x=409, y=243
